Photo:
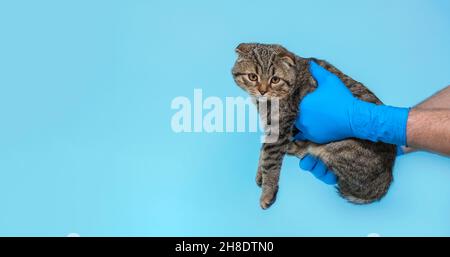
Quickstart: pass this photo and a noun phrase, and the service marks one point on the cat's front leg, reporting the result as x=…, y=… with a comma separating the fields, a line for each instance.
x=259, y=176
x=269, y=167
x=296, y=148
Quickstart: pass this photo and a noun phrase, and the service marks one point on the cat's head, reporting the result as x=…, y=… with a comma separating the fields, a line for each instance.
x=265, y=70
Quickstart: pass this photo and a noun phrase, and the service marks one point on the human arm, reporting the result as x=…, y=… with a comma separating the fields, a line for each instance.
x=429, y=129
x=438, y=101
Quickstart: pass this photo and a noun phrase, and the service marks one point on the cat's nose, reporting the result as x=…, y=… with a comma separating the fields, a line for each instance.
x=262, y=90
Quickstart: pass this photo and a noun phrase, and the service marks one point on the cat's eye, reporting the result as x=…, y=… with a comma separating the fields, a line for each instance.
x=275, y=80
x=252, y=77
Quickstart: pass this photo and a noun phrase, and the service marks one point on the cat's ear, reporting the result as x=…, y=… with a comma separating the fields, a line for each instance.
x=288, y=59
x=244, y=48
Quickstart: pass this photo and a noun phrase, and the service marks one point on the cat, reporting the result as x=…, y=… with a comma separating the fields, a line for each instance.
x=363, y=168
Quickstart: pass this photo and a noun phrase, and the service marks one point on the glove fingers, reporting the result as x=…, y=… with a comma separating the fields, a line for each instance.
x=400, y=150
x=329, y=178
x=308, y=162
x=319, y=170
x=318, y=72
x=300, y=136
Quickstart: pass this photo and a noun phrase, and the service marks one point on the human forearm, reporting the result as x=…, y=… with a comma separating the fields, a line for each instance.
x=440, y=100
x=429, y=130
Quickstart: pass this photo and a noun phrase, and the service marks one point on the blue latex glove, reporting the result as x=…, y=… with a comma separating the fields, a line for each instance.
x=332, y=113
x=318, y=169
x=400, y=151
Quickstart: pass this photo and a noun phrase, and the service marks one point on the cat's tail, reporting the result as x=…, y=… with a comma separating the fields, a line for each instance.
x=371, y=191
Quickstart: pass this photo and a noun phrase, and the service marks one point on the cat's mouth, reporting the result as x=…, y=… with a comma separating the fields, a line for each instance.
x=269, y=99
x=268, y=96
x=258, y=94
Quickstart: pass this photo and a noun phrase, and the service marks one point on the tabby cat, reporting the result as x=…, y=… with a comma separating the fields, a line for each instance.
x=363, y=168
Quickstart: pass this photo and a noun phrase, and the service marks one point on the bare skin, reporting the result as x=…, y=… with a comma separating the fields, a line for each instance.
x=428, y=125
x=440, y=100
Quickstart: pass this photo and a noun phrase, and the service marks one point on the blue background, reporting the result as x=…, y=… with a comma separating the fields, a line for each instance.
x=85, y=139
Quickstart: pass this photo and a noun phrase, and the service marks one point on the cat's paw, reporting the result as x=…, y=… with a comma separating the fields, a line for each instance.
x=259, y=178
x=268, y=198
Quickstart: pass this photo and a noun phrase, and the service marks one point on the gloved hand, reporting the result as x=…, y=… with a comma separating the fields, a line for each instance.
x=332, y=113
